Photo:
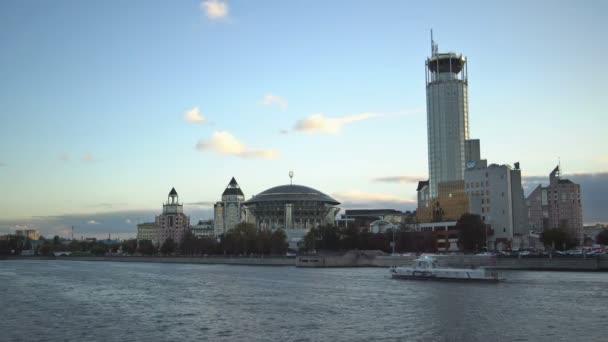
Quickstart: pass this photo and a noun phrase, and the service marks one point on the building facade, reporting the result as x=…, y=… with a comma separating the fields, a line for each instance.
x=31, y=234
x=447, y=117
x=557, y=205
x=204, y=229
x=172, y=223
x=227, y=212
x=496, y=194
x=293, y=208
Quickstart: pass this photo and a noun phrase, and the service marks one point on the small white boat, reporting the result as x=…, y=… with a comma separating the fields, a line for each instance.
x=426, y=268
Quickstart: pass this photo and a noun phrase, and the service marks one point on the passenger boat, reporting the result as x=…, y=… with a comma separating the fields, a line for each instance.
x=426, y=268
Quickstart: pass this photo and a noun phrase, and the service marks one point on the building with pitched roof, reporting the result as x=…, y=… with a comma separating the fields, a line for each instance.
x=227, y=212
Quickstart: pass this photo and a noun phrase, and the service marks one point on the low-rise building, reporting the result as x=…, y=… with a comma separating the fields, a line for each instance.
x=204, y=229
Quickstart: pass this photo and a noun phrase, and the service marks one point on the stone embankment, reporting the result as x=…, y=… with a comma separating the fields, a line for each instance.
x=253, y=261
x=366, y=259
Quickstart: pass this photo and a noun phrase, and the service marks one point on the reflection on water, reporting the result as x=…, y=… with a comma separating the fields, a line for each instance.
x=104, y=301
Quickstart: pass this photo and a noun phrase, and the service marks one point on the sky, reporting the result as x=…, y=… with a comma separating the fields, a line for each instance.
x=105, y=106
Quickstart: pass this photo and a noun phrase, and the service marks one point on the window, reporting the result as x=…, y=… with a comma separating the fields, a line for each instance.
x=488, y=200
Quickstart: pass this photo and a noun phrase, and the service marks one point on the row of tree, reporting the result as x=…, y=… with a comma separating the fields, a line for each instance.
x=244, y=239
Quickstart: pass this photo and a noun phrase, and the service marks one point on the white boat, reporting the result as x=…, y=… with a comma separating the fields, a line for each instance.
x=426, y=268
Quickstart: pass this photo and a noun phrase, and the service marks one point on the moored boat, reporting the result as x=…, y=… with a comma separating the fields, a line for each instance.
x=427, y=268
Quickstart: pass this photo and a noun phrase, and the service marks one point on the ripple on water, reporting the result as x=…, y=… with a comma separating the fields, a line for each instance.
x=100, y=301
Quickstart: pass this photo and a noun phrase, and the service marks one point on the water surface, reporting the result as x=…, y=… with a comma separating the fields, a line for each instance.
x=110, y=301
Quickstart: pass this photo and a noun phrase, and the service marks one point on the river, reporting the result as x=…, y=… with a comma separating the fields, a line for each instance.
x=56, y=300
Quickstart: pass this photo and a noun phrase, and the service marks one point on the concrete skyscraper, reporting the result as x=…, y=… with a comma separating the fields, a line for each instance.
x=447, y=117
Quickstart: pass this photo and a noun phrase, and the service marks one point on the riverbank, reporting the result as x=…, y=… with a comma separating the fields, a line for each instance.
x=362, y=259
x=266, y=261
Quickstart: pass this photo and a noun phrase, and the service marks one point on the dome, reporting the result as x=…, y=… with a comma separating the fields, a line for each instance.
x=292, y=193
x=173, y=192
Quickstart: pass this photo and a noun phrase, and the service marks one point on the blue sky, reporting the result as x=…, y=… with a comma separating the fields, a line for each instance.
x=95, y=95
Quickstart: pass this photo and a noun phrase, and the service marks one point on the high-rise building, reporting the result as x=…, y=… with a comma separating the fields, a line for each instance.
x=227, y=212
x=447, y=117
x=556, y=206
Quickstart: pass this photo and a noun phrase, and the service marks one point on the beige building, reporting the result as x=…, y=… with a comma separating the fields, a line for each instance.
x=172, y=223
x=31, y=234
x=557, y=205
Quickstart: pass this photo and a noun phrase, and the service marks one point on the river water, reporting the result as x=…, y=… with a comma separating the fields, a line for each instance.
x=113, y=301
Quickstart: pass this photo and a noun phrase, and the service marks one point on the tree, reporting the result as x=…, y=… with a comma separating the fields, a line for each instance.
x=278, y=242
x=129, y=246
x=188, y=244
x=168, y=247
x=472, y=232
x=602, y=237
x=46, y=249
x=99, y=249
x=558, y=238
x=146, y=247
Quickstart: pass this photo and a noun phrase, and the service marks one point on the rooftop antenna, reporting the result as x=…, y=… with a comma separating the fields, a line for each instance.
x=290, y=177
x=434, y=46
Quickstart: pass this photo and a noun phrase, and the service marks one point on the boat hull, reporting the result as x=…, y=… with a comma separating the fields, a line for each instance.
x=432, y=277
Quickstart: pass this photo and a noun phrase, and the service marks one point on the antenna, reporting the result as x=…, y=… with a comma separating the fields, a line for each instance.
x=290, y=177
x=434, y=46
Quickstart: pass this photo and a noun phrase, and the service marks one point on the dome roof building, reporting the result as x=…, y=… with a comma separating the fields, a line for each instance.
x=293, y=208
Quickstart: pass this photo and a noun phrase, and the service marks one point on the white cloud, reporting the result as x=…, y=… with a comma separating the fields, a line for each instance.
x=194, y=115
x=400, y=179
x=92, y=222
x=223, y=142
x=87, y=157
x=215, y=9
x=319, y=123
x=271, y=99
x=360, y=196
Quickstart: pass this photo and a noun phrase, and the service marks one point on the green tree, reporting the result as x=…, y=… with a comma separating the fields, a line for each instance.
x=322, y=238
x=146, y=247
x=602, y=237
x=278, y=242
x=558, y=238
x=168, y=247
x=99, y=249
x=471, y=233
x=188, y=245
x=46, y=249
x=129, y=246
